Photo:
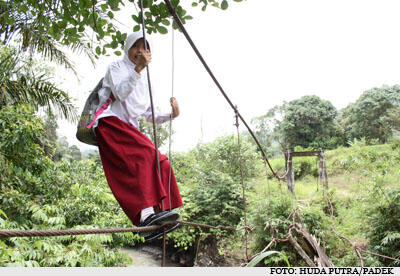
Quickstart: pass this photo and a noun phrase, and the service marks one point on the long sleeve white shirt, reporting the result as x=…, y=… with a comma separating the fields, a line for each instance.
x=130, y=89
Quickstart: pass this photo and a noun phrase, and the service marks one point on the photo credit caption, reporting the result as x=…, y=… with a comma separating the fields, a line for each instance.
x=331, y=271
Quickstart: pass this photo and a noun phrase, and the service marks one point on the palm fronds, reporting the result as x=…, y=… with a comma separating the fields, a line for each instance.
x=19, y=86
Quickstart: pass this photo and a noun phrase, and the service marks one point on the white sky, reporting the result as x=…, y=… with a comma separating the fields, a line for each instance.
x=263, y=53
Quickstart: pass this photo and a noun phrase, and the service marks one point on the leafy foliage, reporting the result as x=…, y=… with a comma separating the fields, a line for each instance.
x=210, y=186
x=223, y=155
x=309, y=122
x=21, y=138
x=43, y=25
x=363, y=191
x=162, y=131
x=64, y=150
x=385, y=228
x=375, y=115
x=259, y=258
x=37, y=193
x=40, y=194
x=272, y=216
x=24, y=82
x=267, y=130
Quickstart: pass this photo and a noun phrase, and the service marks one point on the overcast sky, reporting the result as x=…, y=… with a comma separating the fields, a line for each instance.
x=263, y=53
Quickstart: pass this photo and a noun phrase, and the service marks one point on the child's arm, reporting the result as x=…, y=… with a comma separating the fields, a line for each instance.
x=163, y=117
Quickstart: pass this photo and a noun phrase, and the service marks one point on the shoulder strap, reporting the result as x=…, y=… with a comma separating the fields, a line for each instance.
x=98, y=112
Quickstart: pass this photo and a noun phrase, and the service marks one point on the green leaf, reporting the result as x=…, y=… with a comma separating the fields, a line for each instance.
x=147, y=3
x=62, y=24
x=113, y=4
x=4, y=214
x=136, y=18
x=110, y=14
x=224, y=5
x=23, y=8
x=118, y=53
x=114, y=44
x=98, y=50
x=103, y=7
x=175, y=3
x=154, y=10
x=136, y=28
x=161, y=29
x=165, y=22
x=260, y=257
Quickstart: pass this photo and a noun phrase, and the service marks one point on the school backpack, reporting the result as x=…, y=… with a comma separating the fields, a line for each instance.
x=85, y=132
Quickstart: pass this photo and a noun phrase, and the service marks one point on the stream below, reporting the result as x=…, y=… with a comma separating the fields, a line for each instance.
x=146, y=256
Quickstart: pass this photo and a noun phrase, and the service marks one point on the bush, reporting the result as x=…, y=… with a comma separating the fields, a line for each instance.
x=223, y=154
x=37, y=193
x=210, y=185
x=21, y=138
x=271, y=217
x=212, y=198
x=385, y=228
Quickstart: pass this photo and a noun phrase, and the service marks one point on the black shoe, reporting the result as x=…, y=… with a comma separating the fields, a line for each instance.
x=160, y=232
x=157, y=219
x=164, y=217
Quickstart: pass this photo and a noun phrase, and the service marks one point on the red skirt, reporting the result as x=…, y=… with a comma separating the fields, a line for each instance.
x=130, y=166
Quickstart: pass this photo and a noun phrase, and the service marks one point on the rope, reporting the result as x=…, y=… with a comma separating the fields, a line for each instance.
x=243, y=187
x=379, y=255
x=41, y=233
x=170, y=119
x=154, y=127
x=215, y=227
x=63, y=232
x=151, y=98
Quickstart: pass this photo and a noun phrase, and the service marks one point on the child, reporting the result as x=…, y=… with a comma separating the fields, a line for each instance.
x=128, y=156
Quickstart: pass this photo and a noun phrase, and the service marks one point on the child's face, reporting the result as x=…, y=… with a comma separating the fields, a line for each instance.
x=136, y=49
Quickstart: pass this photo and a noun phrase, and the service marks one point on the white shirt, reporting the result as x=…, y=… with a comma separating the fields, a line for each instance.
x=130, y=89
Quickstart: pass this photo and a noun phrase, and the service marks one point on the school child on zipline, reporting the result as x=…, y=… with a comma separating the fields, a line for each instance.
x=128, y=156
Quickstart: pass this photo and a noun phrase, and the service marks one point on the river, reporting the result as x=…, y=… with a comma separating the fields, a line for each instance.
x=146, y=256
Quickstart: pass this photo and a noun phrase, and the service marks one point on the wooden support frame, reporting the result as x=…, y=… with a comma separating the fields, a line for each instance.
x=323, y=177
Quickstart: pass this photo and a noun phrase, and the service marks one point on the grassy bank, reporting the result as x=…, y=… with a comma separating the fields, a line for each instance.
x=364, y=186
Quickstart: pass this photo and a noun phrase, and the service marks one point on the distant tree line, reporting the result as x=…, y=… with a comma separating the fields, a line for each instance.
x=311, y=122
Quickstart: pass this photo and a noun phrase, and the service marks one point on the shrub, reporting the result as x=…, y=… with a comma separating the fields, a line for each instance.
x=209, y=181
x=222, y=155
x=385, y=228
x=213, y=198
x=271, y=217
x=37, y=193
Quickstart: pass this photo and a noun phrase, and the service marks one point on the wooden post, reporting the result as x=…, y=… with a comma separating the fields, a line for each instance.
x=290, y=175
x=323, y=177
